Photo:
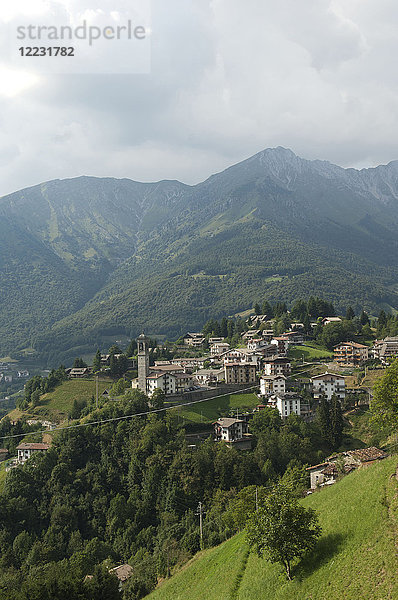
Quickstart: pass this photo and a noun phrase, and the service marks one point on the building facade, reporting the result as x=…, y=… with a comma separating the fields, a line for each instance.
x=350, y=354
x=328, y=384
x=237, y=372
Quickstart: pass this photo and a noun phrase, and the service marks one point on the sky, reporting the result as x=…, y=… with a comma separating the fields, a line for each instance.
x=226, y=79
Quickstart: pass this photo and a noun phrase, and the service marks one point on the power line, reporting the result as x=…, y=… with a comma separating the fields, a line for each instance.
x=142, y=414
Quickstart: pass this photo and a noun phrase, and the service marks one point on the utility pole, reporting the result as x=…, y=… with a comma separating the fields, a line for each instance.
x=96, y=390
x=256, y=499
x=200, y=513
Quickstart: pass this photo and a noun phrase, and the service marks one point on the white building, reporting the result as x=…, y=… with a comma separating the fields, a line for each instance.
x=385, y=349
x=287, y=404
x=26, y=449
x=206, y=376
x=328, y=384
x=219, y=348
x=272, y=384
x=164, y=381
x=279, y=365
x=230, y=430
x=281, y=343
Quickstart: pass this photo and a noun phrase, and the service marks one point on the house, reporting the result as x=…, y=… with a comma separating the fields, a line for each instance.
x=218, y=348
x=184, y=382
x=278, y=365
x=27, y=449
x=361, y=457
x=78, y=373
x=256, y=344
x=189, y=364
x=251, y=334
x=253, y=319
x=234, y=432
x=287, y=404
x=242, y=355
x=45, y=424
x=23, y=374
x=329, y=320
x=281, y=343
x=350, y=354
x=216, y=340
x=386, y=349
x=163, y=381
x=322, y=474
x=123, y=573
x=8, y=378
x=195, y=340
x=326, y=473
x=163, y=367
x=272, y=384
x=208, y=376
x=328, y=384
x=237, y=372
x=295, y=337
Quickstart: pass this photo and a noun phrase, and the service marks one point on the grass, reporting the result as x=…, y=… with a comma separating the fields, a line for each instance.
x=310, y=351
x=361, y=428
x=57, y=404
x=372, y=376
x=210, y=410
x=219, y=568
x=355, y=558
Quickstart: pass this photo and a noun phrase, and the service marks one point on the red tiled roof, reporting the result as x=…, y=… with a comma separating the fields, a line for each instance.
x=33, y=446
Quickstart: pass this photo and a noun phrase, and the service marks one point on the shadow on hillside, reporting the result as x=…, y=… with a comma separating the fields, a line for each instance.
x=327, y=547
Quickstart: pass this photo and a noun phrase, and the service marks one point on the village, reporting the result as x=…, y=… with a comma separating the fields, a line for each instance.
x=262, y=363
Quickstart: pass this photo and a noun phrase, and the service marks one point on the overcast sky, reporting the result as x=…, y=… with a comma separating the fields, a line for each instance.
x=227, y=79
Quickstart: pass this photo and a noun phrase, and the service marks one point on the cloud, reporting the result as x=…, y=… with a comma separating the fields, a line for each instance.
x=227, y=80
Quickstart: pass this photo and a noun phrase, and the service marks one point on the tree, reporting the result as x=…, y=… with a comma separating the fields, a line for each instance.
x=336, y=422
x=282, y=530
x=79, y=363
x=323, y=418
x=381, y=321
x=97, y=361
x=267, y=309
x=257, y=309
x=384, y=405
x=364, y=319
x=158, y=398
x=350, y=313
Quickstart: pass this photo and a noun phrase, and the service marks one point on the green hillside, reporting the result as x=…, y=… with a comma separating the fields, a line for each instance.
x=212, y=409
x=56, y=405
x=85, y=258
x=356, y=557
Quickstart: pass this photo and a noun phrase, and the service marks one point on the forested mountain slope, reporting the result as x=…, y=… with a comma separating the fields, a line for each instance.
x=83, y=257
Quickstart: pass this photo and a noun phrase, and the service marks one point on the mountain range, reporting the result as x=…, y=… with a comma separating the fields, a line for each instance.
x=86, y=258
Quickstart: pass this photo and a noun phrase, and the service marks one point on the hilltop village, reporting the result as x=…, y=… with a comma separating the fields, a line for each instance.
x=278, y=358
x=183, y=432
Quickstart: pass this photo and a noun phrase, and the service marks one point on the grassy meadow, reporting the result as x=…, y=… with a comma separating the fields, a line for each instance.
x=57, y=404
x=210, y=410
x=355, y=558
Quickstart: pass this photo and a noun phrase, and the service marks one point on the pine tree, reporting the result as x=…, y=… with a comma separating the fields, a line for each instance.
x=324, y=421
x=97, y=361
x=336, y=422
x=350, y=313
x=364, y=318
x=267, y=309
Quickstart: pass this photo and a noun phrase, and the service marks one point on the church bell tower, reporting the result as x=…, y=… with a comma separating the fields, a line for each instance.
x=143, y=362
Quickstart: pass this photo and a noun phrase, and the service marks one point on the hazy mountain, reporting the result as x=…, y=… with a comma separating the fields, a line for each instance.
x=85, y=257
